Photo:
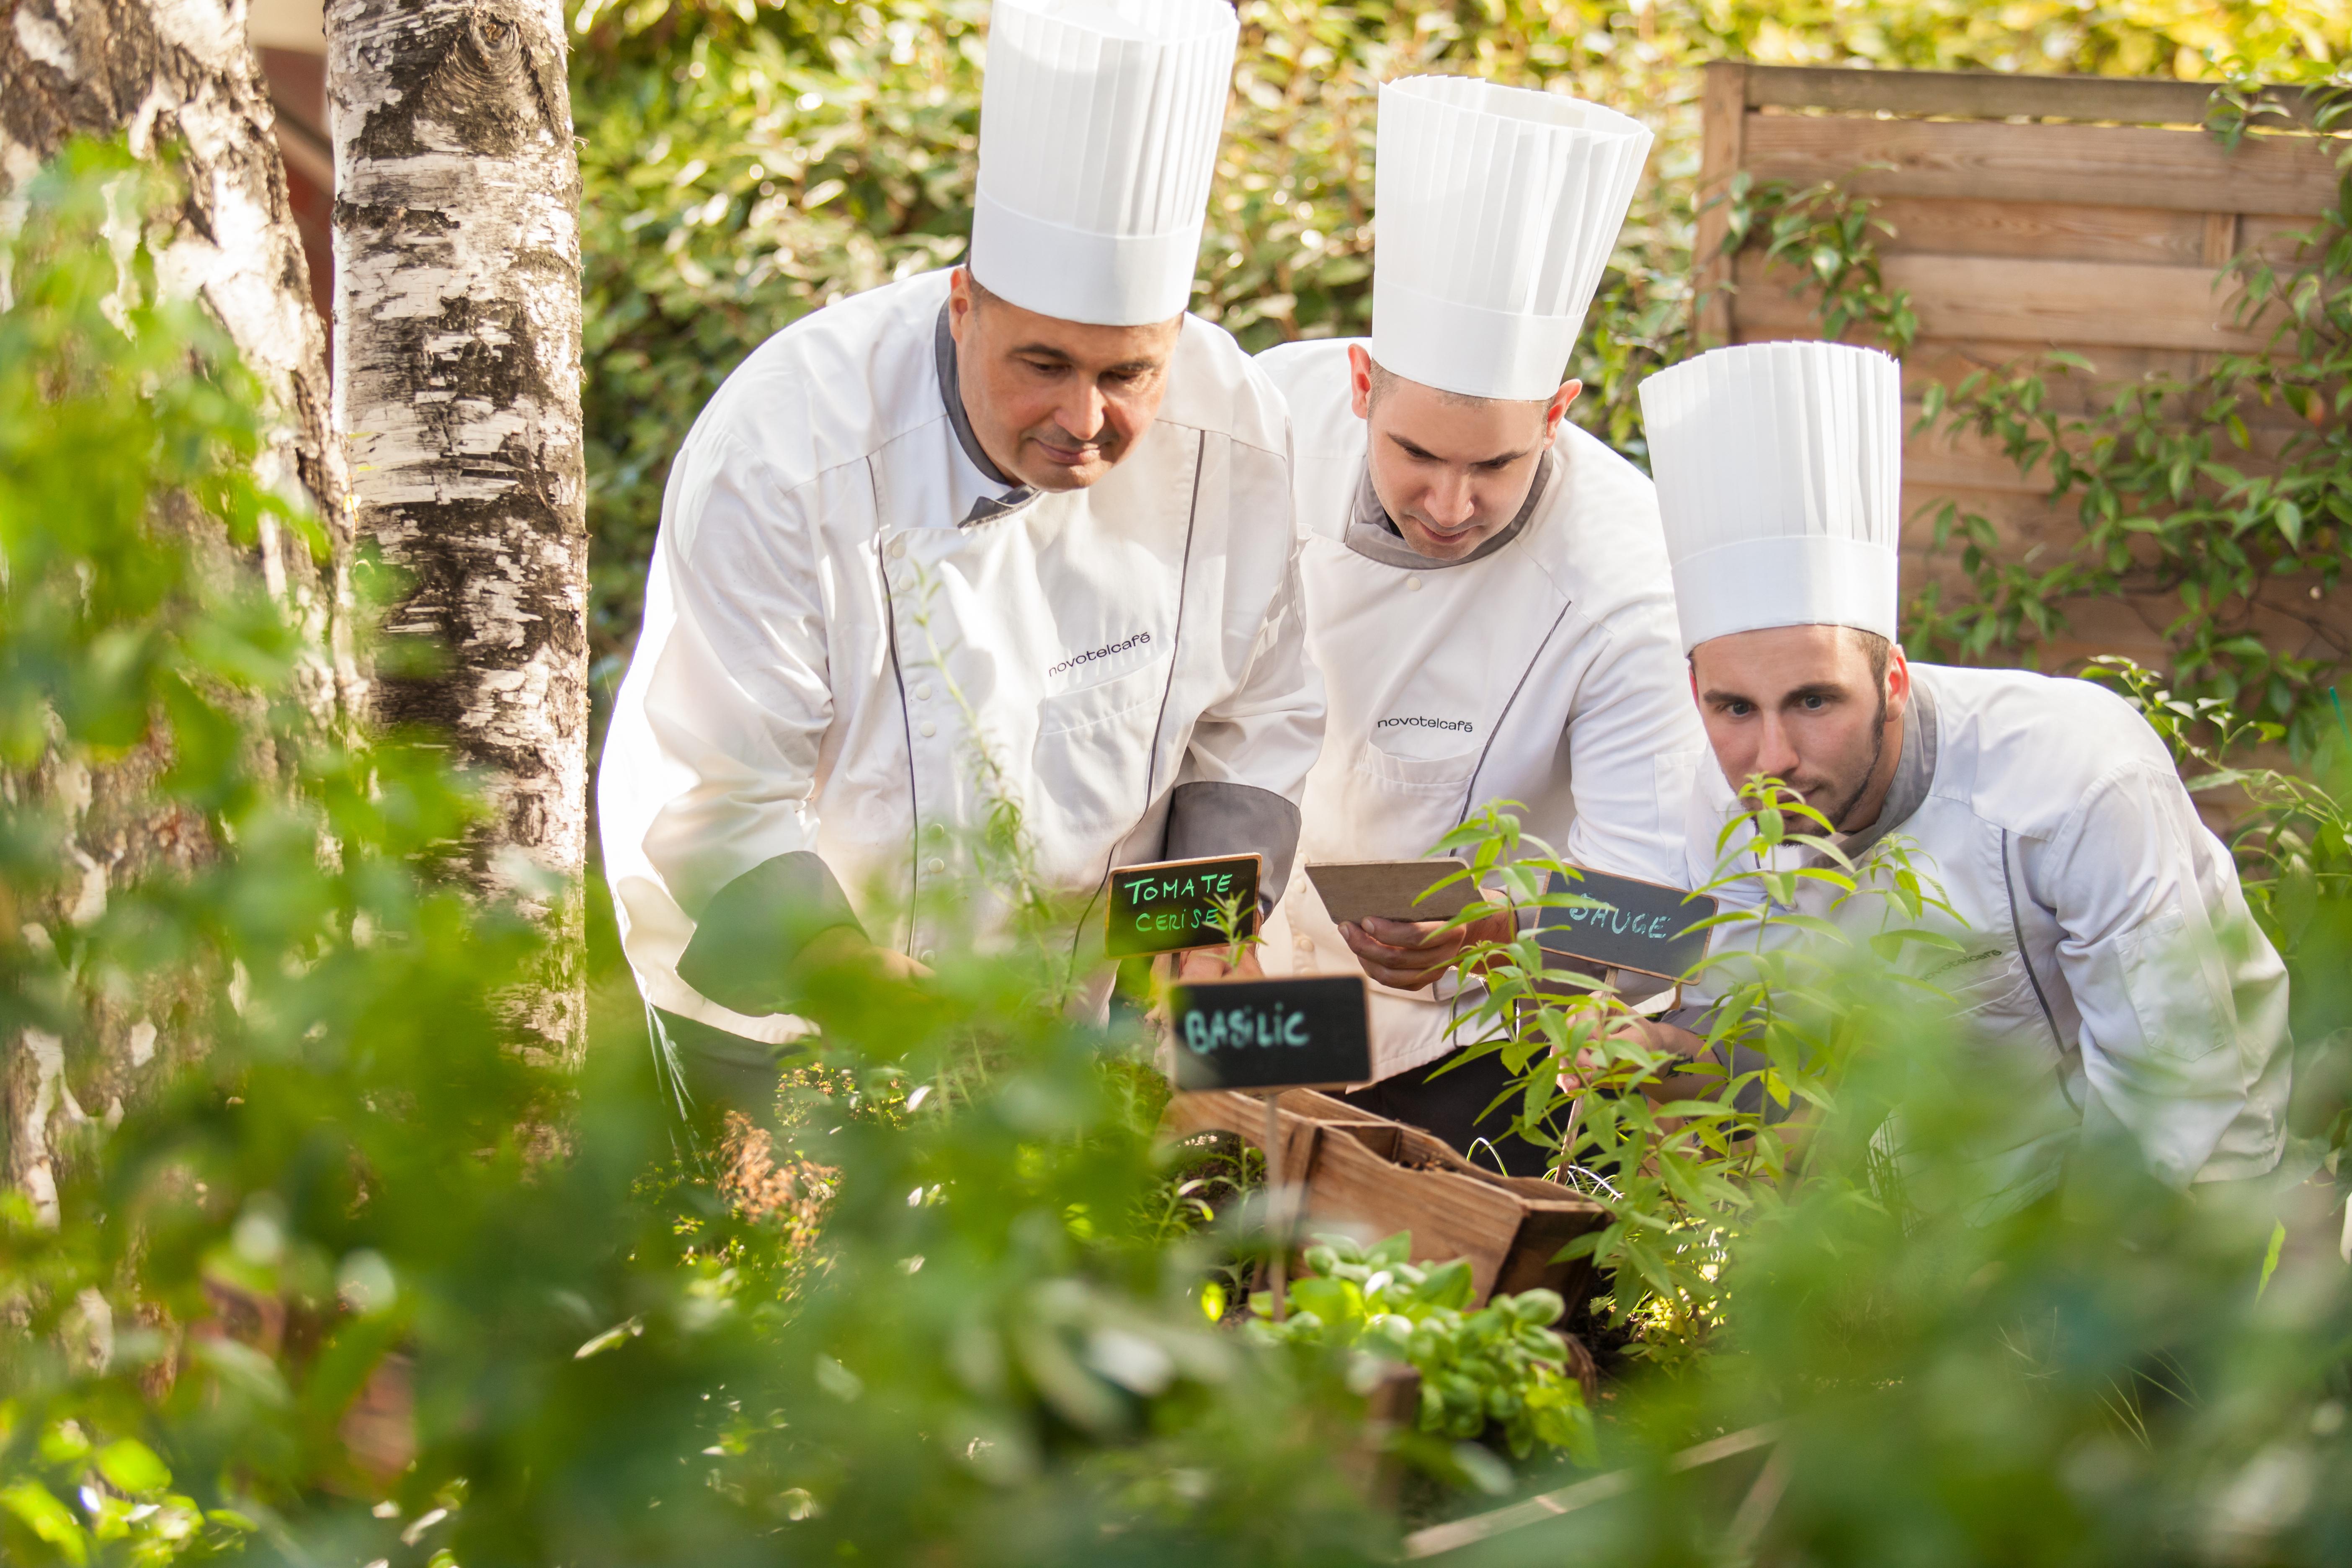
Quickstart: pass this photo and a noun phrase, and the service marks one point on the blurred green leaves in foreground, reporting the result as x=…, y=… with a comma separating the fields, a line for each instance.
x=339, y=1277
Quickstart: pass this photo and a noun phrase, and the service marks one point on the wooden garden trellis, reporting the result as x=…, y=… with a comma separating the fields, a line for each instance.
x=2030, y=213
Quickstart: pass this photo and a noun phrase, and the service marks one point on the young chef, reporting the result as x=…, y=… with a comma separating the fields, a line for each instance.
x=1486, y=590
x=1021, y=533
x=2107, y=942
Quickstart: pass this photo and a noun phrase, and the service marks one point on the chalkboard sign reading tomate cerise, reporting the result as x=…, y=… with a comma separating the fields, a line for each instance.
x=1642, y=926
x=1175, y=906
x=1308, y=1031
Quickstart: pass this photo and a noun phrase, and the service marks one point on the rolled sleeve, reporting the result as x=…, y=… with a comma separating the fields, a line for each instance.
x=2183, y=1000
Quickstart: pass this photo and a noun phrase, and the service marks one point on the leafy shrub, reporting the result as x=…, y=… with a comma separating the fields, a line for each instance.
x=321, y=1283
x=1500, y=1365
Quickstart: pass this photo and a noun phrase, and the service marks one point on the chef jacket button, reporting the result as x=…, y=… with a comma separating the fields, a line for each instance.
x=923, y=694
x=937, y=866
x=1303, y=942
x=925, y=956
x=898, y=550
x=1412, y=585
x=929, y=729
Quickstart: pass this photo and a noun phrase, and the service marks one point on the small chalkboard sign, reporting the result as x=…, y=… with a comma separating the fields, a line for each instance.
x=1645, y=926
x=1392, y=890
x=1309, y=1031
x=1173, y=905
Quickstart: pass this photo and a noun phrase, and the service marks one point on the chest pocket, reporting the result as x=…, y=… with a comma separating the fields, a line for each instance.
x=1092, y=759
x=1445, y=776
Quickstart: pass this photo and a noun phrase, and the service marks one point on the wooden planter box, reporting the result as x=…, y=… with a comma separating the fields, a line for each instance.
x=1376, y=1177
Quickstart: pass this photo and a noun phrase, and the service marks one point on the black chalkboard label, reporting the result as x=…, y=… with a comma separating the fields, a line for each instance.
x=1172, y=906
x=1645, y=927
x=1310, y=1031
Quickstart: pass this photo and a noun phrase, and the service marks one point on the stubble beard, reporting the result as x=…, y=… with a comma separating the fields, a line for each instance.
x=1877, y=751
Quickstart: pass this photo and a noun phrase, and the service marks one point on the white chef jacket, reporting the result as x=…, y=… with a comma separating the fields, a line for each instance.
x=2106, y=937
x=842, y=585
x=1545, y=669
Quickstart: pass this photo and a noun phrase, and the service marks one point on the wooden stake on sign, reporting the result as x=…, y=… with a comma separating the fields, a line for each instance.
x=1276, y=1214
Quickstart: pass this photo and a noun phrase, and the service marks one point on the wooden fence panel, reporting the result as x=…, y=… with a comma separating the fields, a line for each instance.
x=2028, y=214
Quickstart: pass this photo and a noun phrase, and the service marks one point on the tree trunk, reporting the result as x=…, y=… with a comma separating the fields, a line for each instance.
x=457, y=387
x=171, y=76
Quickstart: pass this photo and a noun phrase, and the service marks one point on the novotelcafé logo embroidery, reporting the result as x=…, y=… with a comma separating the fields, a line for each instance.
x=1423, y=721
x=1078, y=659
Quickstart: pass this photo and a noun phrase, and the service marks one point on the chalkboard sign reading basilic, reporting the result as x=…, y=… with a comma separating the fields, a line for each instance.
x=1310, y=1031
x=1643, y=926
x=1174, y=906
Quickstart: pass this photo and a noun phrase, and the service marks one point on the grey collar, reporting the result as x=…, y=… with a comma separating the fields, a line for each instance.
x=943, y=352
x=1372, y=535
x=1915, y=771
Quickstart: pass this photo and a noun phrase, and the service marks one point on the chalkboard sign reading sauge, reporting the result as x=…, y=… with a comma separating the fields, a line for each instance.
x=1309, y=1031
x=1173, y=905
x=1645, y=926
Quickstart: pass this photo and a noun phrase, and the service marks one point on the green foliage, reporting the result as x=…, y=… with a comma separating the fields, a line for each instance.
x=353, y=1280
x=2097, y=1379
x=1828, y=235
x=1498, y=1366
x=1687, y=1156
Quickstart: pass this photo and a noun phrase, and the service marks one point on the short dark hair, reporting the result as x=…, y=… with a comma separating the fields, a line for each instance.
x=980, y=292
x=1383, y=378
x=1877, y=649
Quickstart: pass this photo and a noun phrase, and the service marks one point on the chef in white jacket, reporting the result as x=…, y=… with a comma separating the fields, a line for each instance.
x=1021, y=534
x=1486, y=589
x=2103, y=936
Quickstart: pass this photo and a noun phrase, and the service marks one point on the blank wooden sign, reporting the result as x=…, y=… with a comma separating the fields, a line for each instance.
x=1645, y=927
x=1311, y=1031
x=1172, y=906
x=1391, y=889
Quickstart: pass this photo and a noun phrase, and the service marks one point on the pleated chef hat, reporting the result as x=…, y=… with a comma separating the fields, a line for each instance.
x=1779, y=473
x=1498, y=208
x=1099, y=124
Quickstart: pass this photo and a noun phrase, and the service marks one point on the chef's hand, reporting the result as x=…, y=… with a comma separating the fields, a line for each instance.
x=1672, y=1039
x=1209, y=964
x=845, y=947
x=1411, y=955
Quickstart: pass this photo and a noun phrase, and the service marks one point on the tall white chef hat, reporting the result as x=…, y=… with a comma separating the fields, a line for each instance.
x=1498, y=208
x=1779, y=473
x=1098, y=123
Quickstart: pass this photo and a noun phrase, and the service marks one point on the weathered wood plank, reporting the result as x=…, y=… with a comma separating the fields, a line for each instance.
x=2047, y=231
x=2279, y=240
x=2095, y=165
x=2074, y=304
x=1722, y=120
x=1977, y=95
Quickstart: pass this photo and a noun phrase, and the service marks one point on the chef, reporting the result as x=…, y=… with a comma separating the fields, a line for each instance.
x=1009, y=546
x=1486, y=590
x=2102, y=937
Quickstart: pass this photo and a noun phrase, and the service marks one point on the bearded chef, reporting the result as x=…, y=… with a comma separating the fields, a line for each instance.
x=1019, y=533
x=1486, y=590
x=2108, y=943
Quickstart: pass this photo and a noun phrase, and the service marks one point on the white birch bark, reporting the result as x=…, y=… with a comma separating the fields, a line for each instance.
x=171, y=76
x=458, y=390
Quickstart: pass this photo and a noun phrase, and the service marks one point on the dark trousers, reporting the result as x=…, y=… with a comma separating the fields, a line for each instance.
x=706, y=1072
x=1447, y=1100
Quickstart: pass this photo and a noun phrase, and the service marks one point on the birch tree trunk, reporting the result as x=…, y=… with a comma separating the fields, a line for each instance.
x=457, y=389
x=171, y=76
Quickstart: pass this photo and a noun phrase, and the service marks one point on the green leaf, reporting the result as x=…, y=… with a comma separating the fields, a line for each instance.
x=133, y=1467
x=46, y=1518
